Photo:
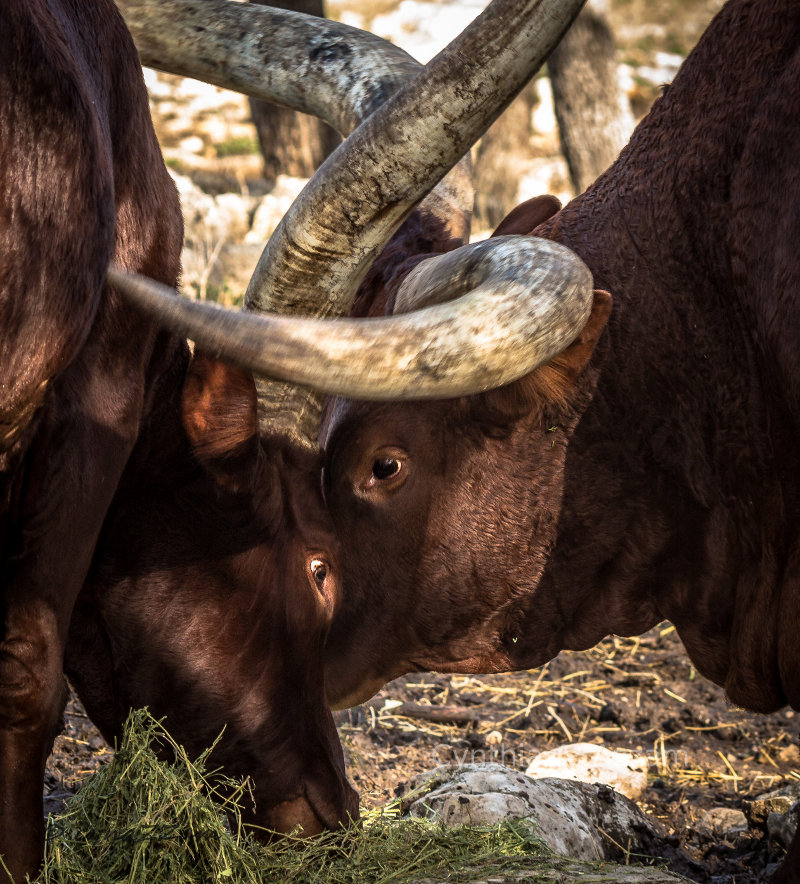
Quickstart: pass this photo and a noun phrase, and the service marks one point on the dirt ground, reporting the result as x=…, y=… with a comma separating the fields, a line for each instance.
x=640, y=694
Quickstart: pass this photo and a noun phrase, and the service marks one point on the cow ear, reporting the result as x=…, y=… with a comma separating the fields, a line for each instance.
x=553, y=384
x=219, y=412
x=528, y=215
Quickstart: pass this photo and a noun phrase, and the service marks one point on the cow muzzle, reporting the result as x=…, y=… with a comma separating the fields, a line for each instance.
x=316, y=811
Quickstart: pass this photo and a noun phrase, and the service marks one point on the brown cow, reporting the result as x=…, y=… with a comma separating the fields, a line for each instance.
x=213, y=580
x=646, y=471
x=650, y=471
x=82, y=181
x=82, y=376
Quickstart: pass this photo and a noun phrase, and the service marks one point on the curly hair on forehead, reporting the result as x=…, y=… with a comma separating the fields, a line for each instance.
x=421, y=236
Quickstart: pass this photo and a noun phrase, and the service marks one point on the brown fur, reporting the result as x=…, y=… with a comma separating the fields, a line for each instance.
x=90, y=403
x=200, y=604
x=75, y=137
x=662, y=480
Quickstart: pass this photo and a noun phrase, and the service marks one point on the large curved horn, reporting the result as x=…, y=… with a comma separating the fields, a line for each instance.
x=330, y=70
x=537, y=293
x=369, y=185
x=364, y=190
x=320, y=67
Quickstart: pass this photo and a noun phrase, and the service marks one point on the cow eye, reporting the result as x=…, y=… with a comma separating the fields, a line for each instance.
x=319, y=570
x=385, y=468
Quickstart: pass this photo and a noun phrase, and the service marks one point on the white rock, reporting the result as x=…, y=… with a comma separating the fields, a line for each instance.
x=424, y=28
x=209, y=219
x=588, y=763
x=192, y=144
x=544, y=117
x=574, y=819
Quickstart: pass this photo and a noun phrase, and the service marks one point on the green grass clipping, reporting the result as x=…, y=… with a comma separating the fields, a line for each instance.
x=140, y=819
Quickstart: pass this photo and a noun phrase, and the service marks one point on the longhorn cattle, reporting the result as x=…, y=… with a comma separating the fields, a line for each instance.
x=82, y=376
x=215, y=575
x=650, y=470
x=642, y=465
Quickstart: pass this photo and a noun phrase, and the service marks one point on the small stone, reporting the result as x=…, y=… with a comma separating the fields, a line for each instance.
x=778, y=801
x=788, y=754
x=781, y=827
x=192, y=144
x=722, y=822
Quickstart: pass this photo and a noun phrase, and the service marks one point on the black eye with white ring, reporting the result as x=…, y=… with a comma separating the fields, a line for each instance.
x=319, y=570
x=385, y=468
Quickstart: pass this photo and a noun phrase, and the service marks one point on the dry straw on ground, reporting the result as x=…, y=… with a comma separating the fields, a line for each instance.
x=140, y=819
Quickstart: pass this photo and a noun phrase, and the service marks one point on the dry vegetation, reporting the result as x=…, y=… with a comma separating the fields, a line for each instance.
x=640, y=694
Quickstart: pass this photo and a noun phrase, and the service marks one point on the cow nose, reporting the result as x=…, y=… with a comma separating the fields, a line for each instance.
x=298, y=812
x=317, y=810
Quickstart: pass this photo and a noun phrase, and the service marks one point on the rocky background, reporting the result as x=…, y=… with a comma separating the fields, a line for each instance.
x=211, y=145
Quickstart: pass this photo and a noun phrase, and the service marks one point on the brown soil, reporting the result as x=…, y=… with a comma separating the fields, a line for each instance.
x=640, y=694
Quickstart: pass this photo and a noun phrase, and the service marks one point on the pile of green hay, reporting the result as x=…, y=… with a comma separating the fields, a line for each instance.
x=142, y=820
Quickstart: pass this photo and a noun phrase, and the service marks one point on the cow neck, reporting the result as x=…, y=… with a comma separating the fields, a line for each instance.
x=699, y=525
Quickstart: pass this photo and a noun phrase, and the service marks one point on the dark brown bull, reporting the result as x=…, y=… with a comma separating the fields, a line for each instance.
x=82, y=182
x=646, y=472
x=650, y=471
x=213, y=580
x=82, y=376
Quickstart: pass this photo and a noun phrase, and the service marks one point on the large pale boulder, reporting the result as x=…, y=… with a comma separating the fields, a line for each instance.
x=573, y=819
x=623, y=771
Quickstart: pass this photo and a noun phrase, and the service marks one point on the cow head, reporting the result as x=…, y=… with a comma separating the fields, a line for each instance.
x=433, y=503
x=221, y=615
x=211, y=595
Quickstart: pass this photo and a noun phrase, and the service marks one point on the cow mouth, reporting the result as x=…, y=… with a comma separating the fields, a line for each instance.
x=313, y=811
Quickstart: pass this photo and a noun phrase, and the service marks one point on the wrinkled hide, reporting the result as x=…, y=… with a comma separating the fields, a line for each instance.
x=654, y=475
x=647, y=471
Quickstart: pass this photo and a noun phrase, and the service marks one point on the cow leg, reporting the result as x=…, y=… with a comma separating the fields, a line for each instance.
x=70, y=476
x=31, y=699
